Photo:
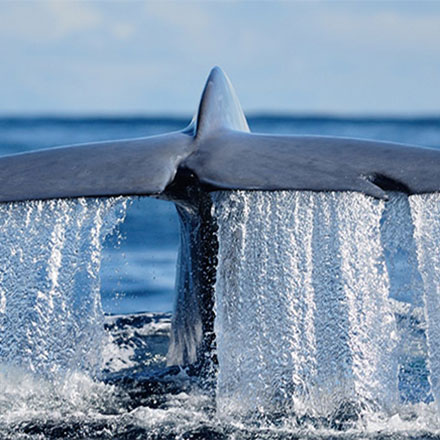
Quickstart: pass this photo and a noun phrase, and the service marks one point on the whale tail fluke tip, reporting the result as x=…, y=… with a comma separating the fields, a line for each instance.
x=219, y=106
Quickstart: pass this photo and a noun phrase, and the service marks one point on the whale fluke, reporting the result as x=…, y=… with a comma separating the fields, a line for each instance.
x=127, y=167
x=218, y=150
x=219, y=106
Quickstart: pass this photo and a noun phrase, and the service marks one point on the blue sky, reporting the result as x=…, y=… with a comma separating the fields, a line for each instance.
x=125, y=57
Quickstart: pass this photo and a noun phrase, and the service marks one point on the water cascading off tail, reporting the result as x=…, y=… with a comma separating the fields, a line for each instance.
x=303, y=318
x=425, y=209
x=51, y=319
x=406, y=291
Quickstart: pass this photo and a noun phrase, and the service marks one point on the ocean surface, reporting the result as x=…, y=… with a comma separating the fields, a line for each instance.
x=129, y=393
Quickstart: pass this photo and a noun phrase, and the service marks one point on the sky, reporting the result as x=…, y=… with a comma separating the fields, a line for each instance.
x=137, y=57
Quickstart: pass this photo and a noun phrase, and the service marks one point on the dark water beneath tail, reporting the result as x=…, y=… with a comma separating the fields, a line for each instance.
x=104, y=376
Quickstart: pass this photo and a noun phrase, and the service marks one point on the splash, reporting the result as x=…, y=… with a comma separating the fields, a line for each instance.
x=406, y=291
x=327, y=318
x=320, y=305
x=51, y=321
x=426, y=214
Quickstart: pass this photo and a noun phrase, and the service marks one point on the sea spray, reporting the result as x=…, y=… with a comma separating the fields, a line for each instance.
x=425, y=210
x=406, y=292
x=356, y=361
x=51, y=320
x=258, y=323
x=303, y=318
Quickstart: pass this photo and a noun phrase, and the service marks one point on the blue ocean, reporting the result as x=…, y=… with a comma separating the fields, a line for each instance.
x=131, y=393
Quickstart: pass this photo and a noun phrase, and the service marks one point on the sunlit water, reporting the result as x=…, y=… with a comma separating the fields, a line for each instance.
x=302, y=284
x=327, y=322
x=51, y=318
x=327, y=310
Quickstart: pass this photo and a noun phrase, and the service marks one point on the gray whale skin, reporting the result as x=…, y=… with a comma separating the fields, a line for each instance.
x=216, y=151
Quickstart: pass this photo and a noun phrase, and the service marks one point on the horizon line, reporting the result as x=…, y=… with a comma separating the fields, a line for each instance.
x=254, y=115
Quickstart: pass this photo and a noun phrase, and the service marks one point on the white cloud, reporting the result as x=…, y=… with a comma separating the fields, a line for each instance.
x=134, y=56
x=68, y=17
x=377, y=27
x=123, y=31
x=46, y=20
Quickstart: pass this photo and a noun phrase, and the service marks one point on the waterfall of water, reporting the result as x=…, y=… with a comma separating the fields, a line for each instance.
x=425, y=209
x=51, y=319
x=327, y=304
x=407, y=293
x=303, y=318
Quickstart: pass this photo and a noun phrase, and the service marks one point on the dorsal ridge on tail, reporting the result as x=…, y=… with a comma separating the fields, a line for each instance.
x=219, y=106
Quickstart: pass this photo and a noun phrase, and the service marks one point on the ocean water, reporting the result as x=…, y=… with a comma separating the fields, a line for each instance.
x=101, y=373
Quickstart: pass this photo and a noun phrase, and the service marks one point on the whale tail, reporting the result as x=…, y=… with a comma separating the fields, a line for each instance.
x=143, y=166
x=218, y=150
x=219, y=106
